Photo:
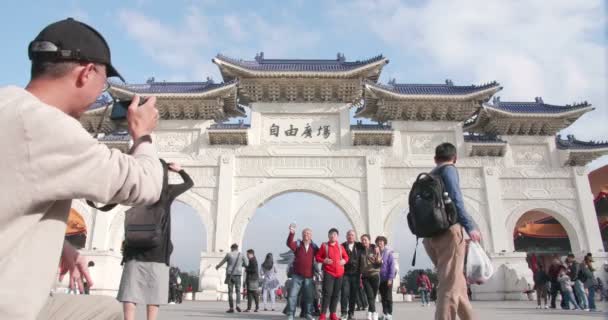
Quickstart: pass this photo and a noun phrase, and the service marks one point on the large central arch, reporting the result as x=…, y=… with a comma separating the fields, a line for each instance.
x=274, y=189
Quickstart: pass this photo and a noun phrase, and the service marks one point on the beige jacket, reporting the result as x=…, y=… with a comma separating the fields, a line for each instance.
x=46, y=160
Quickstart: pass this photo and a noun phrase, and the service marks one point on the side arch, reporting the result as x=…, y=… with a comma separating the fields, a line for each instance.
x=565, y=216
x=274, y=189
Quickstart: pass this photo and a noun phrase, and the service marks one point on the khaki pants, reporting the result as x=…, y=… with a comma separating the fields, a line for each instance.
x=68, y=307
x=447, y=251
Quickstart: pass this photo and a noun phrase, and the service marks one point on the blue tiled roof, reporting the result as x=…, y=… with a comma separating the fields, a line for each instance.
x=101, y=102
x=153, y=87
x=299, y=65
x=116, y=136
x=434, y=89
x=483, y=138
x=371, y=127
x=537, y=106
x=226, y=126
x=572, y=143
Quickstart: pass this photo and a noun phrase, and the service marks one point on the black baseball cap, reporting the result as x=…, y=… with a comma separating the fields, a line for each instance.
x=71, y=40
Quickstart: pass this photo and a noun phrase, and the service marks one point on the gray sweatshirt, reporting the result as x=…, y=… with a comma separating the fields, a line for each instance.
x=233, y=258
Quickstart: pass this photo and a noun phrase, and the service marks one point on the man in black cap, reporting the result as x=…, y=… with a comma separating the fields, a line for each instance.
x=48, y=159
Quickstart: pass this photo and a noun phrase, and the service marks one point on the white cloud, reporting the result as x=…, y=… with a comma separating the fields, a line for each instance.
x=533, y=48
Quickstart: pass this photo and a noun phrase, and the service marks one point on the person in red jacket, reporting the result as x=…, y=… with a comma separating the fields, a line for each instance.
x=333, y=256
x=424, y=287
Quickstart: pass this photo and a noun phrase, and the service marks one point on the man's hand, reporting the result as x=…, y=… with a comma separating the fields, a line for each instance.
x=328, y=261
x=292, y=229
x=175, y=167
x=76, y=265
x=389, y=283
x=475, y=235
x=377, y=250
x=142, y=119
x=342, y=262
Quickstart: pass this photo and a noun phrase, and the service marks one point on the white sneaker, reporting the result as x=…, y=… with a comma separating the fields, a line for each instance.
x=370, y=316
x=388, y=317
x=171, y=302
x=546, y=307
x=375, y=316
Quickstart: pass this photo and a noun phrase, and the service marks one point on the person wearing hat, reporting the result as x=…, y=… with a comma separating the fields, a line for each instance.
x=48, y=159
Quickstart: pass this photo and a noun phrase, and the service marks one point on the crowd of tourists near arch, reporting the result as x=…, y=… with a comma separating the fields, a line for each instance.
x=574, y=281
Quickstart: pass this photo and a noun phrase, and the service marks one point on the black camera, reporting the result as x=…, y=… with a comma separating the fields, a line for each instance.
x=119, y=110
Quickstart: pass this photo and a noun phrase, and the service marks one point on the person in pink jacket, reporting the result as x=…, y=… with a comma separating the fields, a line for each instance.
x=333, y=256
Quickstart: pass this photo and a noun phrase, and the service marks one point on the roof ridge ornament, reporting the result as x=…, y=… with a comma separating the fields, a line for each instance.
x=496, y=100
x=392, y=81
x=341, y=57
x=538, y=100
x=150, y=80
x=449, y=82
x=259, y=57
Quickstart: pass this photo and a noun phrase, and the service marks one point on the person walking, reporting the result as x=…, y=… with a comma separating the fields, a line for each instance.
x=252, y=281
x=447, y=250
x=352, y=276
x=588, y=278
x=303, y=272
x=145, y=275
x=541, y=282
x=387, y=274
x=334, y=257
x=270, y=281
x=234, y=270
x=424, y=287
x=370, y=262
x=553, y=274
x=48, y=159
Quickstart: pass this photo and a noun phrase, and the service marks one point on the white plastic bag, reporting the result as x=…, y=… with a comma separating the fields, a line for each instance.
x=478, y=267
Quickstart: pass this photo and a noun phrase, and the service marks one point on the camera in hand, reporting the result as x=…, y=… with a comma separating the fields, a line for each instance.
x=119, y=111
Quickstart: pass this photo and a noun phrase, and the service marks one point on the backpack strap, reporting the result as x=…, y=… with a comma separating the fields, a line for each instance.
x=415, y=248
x=238, y=257
x=111, y=206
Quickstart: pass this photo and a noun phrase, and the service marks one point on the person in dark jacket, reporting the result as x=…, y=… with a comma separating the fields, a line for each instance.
x=145, y=276
x=555, y=286
x=352, y=276
x=252, y=281
x=541, y=281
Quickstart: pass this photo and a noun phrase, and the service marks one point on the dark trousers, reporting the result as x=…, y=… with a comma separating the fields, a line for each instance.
x=252, y=295
x=386, y=296
x=555, y=288
x=234, y=285
x=371, y=284
x=331, y=293
x=350, y=290
x=361, y=297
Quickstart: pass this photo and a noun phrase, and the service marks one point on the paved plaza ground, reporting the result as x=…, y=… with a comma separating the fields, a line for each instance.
x=510, y=310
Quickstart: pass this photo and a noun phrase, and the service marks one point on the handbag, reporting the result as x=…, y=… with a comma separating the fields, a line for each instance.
x=145, y=225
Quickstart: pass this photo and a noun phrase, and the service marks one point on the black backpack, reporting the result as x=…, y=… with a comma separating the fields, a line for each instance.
x=429, y=214
x=145, y=225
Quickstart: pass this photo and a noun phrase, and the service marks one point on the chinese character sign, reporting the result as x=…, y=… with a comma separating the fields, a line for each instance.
x=300, y=129
x=324, y=131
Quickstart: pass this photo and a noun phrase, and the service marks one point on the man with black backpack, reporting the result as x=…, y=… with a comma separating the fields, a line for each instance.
x=438, y=215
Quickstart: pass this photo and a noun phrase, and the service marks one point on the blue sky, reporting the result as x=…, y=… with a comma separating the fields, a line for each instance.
x=554, y=49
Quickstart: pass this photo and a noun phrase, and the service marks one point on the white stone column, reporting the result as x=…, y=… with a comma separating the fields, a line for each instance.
x=223, y=212
x=345, y=137
x=586, y=211
x=101, y=229
x=211, y=285
x=255, y=131
x=374, y=197
x=495, y=212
